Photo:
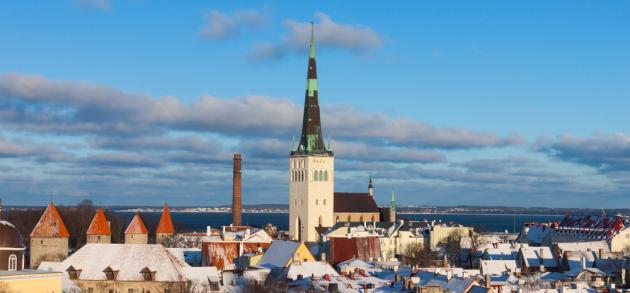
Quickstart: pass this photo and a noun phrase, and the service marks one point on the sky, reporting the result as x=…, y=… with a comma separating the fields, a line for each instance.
x=517, y=103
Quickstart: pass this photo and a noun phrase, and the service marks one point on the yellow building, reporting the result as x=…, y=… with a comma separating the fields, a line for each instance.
x=30, y=281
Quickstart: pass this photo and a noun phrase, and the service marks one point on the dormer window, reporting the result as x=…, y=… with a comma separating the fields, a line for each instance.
x=147, y=274
x=110, y=273
x=73, y=273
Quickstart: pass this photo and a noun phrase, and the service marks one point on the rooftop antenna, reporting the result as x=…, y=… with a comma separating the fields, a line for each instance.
x=603, y=212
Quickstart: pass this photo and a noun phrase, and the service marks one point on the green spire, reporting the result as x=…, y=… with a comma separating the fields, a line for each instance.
x=392, y=200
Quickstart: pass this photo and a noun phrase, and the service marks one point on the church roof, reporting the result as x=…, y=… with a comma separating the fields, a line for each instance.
x=50, y=224
x=99, y=224
x=311, y=140
x=166, y=223
x=354, y=202
x=136, y=226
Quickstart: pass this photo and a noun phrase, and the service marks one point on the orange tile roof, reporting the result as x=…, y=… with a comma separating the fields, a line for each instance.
x=166, y=223
x=50, y=224
x=136, y=226
x=99, y=224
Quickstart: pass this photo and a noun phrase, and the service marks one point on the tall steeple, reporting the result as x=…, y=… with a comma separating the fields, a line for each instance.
x=312, y=140
x=392, y=208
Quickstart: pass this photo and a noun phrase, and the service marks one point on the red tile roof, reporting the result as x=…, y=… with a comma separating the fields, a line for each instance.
x=99, y=224
x=364, y=248
x=50, y=224
x=136, y=226
x=354, y=202
x=166, y=223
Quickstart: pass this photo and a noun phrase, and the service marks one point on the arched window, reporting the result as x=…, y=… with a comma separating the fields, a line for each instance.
x=13, y=262
x=315, y=175
x=321, y=175
x=316, y=201
x=321, y=221
x=325, y=175
x=324, y=201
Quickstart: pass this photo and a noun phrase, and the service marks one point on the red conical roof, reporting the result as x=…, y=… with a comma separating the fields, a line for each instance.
x=166, y=223
x=136, y=226
x=99, y=224
x=50, y=224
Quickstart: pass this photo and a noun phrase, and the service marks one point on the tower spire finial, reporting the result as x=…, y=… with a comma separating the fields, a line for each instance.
x=312, y=43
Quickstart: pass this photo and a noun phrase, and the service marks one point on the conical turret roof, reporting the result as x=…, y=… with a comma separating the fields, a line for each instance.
x=99, y=224
x=137, y=226
x=166, y=223
x=50, y=225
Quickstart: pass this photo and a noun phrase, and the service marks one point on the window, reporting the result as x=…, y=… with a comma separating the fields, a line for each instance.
x=315, y=175
x=295, y=202
x=13, y=262
x=348, y=218
x=321, y=221
x=324, y=202
x=337, y=220
x=325, y=175
x=90, y=290
x=316, y=202
x=147, y=274
x=110, y=273
x=321, y=175
x=301, y=202
x=73, y=273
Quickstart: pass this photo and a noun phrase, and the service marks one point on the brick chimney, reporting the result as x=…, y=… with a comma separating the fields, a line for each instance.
x=236, y=192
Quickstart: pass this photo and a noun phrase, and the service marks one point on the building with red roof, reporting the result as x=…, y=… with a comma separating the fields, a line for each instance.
x=136, y=232
x=165, y=228
x=49, y=238
x=99, y=230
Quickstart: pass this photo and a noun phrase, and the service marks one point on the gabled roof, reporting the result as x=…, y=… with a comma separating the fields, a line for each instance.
x=99, y=224
x=279, y=253
x=136, y=226
x=354, y=202
x=128, y=259
x=166, y=223
x=50, y=224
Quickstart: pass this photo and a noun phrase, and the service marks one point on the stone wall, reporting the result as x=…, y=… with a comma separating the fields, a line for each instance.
x=48, y=249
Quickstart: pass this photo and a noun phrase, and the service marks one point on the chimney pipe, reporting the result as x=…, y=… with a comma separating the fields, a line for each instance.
x=236, y=192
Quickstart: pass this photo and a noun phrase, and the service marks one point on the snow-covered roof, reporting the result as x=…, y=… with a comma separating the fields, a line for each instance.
x=278, y=254
x=129, y=259
x=354, y=263
x=534, y=234
x=454, y=284
x=201, y=275
x=310, y=269
x=594, y=246
x=535, y=256
x=498, y=267
x=574, y=259
x=501, y=253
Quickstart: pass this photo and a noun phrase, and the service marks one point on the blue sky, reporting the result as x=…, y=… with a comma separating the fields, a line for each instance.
x=450, y=102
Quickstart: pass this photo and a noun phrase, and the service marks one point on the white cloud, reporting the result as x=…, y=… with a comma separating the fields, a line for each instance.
x=328, y=33
x=221, y=25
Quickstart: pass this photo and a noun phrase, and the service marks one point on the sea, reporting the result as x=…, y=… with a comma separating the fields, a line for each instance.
x=198, y=221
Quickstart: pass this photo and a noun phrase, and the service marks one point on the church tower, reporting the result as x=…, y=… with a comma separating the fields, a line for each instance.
x=311, y=168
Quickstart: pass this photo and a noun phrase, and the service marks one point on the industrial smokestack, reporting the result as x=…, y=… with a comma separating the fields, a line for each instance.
x=236, y=192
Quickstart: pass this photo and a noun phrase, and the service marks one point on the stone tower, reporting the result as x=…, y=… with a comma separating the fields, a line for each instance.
x=49, y=239
x=237, y=208
x=165, y=227
x=136, y=232
x=311, y=168
x=99, y=230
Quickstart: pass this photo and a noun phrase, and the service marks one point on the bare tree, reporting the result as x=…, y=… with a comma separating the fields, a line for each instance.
x=417, y=255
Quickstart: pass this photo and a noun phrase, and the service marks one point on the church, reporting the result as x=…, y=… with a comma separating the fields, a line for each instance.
x=313, y=203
